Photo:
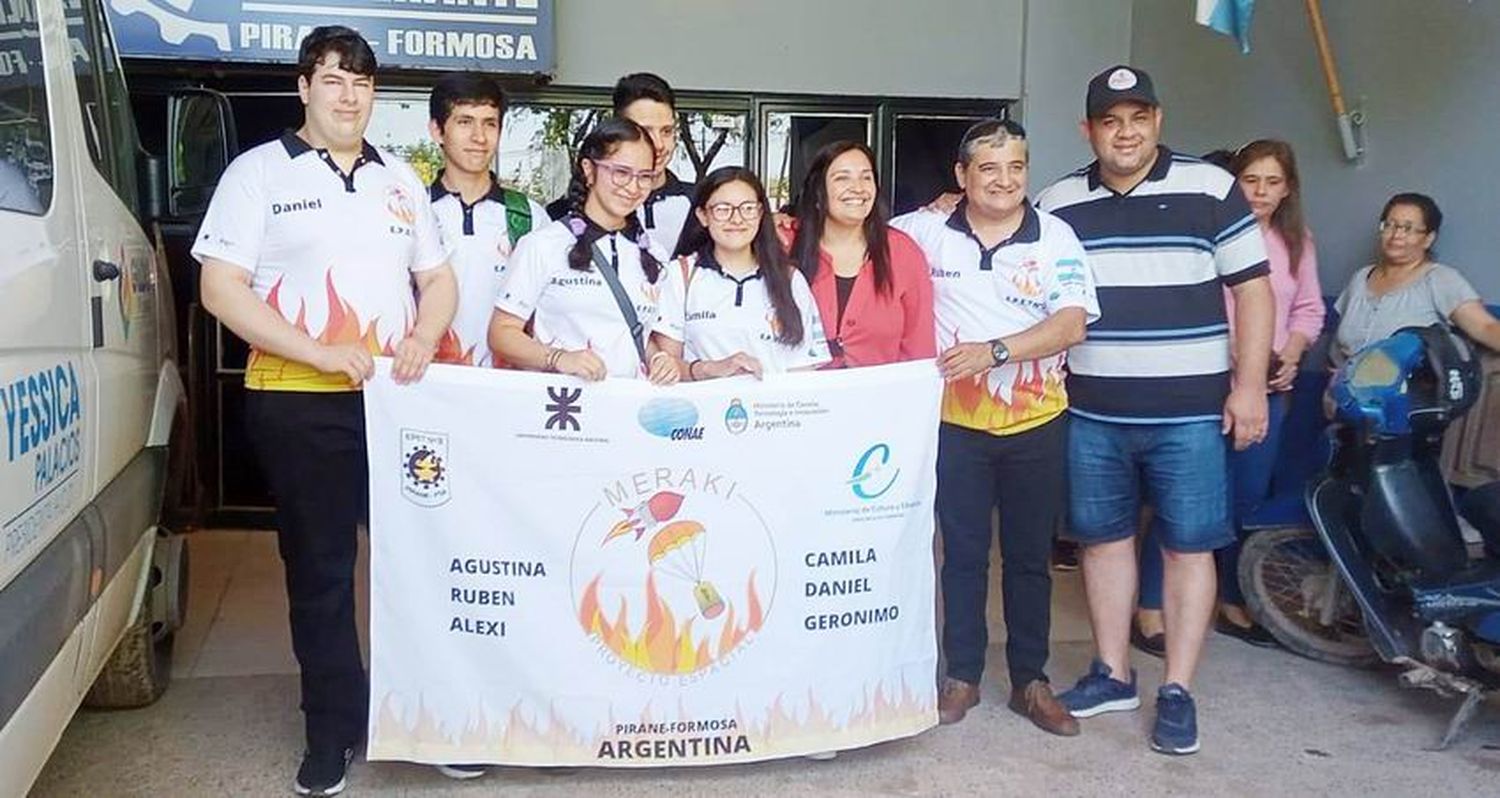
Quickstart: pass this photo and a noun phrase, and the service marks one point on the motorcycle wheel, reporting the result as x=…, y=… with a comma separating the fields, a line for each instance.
x=1285, y=575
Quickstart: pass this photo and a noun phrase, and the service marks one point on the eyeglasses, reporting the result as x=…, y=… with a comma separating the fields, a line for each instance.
x=1401, y=228
x=622, y=176
x=723, y=211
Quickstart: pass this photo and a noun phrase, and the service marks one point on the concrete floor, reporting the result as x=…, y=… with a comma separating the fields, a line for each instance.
x=1272, y=724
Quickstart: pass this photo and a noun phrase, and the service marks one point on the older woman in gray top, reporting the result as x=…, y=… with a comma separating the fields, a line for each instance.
x=1405, y=288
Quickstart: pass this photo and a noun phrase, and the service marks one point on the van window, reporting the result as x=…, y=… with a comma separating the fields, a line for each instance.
x=25, y=137
x=107, y=119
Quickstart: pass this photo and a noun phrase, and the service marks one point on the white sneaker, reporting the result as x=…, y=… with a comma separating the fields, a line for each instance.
x=462, y=772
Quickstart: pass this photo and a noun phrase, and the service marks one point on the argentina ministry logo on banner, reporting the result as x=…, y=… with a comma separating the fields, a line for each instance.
x=424, y=467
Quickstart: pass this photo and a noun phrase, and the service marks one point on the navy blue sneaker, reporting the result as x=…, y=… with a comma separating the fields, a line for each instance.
x=1176, y=730
x=1098, y=692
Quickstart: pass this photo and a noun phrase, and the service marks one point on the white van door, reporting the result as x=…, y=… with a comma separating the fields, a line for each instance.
x=120, y=281
x=46, y=407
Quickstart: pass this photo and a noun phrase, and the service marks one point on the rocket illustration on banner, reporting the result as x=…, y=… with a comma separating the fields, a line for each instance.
x=647, y=516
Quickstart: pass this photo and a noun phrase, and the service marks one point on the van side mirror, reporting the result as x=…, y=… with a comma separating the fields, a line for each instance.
x=200, y=143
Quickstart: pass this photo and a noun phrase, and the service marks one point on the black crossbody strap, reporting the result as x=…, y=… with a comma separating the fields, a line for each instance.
x=627, y=308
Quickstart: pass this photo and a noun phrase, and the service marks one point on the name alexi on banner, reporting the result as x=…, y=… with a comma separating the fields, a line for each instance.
x=567, y=573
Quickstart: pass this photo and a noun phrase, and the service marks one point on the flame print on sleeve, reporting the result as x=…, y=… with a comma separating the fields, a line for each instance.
x=451, y=349
x=268, y=372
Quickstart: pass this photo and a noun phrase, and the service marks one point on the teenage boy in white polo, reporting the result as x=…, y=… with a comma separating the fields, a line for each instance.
x=310, y=249
x=648, y=101
x=1154, y=405
x=1011, y=293
x=480, y=219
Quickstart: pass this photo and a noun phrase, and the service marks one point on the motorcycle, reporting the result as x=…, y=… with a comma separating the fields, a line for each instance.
x=1386, y=574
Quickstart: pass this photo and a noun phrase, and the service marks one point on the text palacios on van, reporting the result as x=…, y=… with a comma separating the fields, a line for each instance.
x=43, y=414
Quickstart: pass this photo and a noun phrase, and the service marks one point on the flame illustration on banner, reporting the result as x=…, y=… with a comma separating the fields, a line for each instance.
x=545, y=736
x=662, y=645
x=343, y=326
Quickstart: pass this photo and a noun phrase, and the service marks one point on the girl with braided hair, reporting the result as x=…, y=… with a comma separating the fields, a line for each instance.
x=579, y=296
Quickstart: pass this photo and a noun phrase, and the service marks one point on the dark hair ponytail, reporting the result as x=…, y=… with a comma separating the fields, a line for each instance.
x=775, y=268
x=604, y=139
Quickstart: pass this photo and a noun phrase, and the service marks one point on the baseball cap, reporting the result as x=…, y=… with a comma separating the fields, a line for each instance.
x=1118, y=84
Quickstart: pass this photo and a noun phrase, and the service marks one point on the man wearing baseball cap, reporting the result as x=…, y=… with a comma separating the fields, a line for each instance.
x=1156, y=397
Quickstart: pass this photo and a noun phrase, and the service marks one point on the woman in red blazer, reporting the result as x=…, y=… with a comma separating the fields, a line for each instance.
x=871, y=281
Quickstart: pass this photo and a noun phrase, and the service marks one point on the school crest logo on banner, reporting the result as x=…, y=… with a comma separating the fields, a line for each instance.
x=424, y=467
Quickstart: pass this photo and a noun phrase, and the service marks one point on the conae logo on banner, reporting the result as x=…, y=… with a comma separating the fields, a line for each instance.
x=424, y=467
x=873, y=475
x=671, y=418
x=673, y=571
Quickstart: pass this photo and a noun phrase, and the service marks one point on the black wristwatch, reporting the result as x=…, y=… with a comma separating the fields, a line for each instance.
x=1000, y=352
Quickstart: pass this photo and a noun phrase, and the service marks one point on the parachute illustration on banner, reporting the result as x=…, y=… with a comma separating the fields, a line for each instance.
x=678, y=550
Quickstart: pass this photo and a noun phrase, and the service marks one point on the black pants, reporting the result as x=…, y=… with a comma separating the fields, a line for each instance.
x=311, y=447
x=1024, y=474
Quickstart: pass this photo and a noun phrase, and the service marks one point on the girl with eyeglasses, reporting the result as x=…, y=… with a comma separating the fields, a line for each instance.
x=579, y=296
x=872, y=284
x=734, y=304
x=1405, y=287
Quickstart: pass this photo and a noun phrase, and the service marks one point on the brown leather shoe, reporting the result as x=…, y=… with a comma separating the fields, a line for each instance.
x=1036, y=702
x=955, y=699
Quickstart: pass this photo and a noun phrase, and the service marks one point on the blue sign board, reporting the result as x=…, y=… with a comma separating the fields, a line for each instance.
x=485, y=35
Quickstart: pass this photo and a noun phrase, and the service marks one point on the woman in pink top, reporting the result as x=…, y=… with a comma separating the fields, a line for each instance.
x=871, y=282
x=1267, y=174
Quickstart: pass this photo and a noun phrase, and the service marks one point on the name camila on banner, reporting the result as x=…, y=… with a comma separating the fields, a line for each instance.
x=615, y=574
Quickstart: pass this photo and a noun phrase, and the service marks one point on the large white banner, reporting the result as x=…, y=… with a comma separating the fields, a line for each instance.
x=566, y=573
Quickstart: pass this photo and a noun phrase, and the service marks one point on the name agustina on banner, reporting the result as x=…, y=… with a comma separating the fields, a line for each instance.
x=632, y=576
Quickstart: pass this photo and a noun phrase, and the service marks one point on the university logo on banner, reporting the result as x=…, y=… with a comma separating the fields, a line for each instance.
x=424, y=467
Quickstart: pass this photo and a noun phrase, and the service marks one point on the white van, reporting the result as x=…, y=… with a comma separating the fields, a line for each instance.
x=91, y=588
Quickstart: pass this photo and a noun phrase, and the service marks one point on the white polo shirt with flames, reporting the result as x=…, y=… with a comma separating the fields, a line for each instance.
x=332, y=253
x=573, y=309
x=479, y=237
x=715, y=315
x=983, y=293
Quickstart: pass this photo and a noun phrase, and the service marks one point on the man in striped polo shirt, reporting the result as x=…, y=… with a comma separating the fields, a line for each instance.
x=1154, y=403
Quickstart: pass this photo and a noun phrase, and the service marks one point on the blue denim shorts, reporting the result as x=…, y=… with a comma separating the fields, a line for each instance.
x=1180, y=469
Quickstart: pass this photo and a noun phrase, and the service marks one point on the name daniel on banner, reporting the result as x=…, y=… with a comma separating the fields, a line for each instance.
x=570, y=573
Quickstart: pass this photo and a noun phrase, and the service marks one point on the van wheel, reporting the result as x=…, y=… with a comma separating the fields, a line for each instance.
x=140, y=667
x=136, y=673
